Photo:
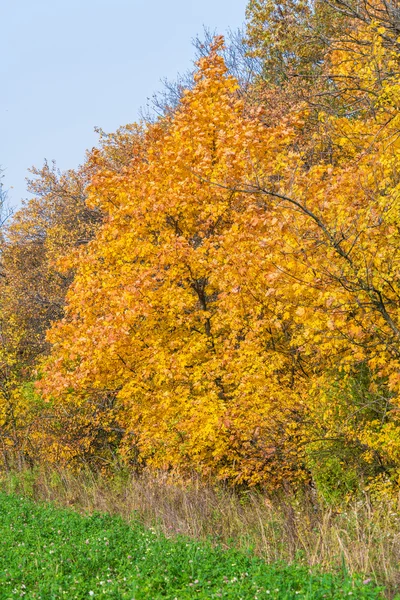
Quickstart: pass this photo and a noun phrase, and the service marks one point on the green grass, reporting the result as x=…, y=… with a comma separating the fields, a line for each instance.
x=48, y=553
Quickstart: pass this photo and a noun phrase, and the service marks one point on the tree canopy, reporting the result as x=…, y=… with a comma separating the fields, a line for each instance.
x=217, y=289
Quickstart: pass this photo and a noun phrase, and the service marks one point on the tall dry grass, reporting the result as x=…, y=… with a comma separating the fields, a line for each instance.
x=364, y=537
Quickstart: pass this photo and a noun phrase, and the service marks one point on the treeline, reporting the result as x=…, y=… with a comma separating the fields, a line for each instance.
x=216, y=290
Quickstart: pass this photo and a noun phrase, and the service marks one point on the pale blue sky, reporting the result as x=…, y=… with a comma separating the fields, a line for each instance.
x=67, y=66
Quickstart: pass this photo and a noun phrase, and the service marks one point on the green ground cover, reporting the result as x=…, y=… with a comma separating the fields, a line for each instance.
x=50, y=553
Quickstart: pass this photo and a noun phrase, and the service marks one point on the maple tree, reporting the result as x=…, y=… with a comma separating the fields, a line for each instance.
x=153, y=342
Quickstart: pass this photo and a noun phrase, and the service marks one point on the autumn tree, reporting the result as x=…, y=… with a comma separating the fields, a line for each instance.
x=351, y=143
x=158, y=305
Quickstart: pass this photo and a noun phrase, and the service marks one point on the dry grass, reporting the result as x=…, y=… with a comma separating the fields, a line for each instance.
x=364, y=537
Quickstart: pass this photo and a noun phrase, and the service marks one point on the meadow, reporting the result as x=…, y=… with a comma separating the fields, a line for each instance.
x=85, y=549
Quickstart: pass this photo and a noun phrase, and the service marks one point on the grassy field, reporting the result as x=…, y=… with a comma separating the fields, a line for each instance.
x=362, y=536
x=49, y=553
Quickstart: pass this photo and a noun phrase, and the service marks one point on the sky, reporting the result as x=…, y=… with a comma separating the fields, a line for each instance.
x=68, y=66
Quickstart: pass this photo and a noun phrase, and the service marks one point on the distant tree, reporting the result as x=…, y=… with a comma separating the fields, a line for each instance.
x=37, y=266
